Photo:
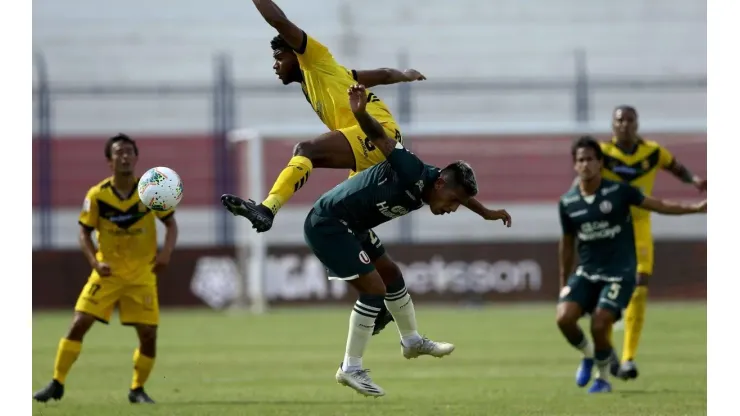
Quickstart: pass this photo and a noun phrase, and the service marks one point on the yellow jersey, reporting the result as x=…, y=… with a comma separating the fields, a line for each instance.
x=638, y=168
x=125, y=230
x=325, y=84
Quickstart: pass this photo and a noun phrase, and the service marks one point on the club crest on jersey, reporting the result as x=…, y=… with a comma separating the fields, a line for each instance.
x=364, y=258
x=605, y=207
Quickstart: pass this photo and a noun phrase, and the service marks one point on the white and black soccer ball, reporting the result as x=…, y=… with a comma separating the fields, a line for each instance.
x=160, y=189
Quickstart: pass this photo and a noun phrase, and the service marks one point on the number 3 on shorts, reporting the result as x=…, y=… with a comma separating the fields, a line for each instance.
x=613, y=291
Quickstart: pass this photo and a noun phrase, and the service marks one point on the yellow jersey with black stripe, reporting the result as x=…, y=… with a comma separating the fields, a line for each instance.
x=125, y=230
x=637, y=168
x=325, y=85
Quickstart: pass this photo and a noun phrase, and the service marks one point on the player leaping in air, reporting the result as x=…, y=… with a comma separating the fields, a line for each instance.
x=630, y=158
x=338, y=229
x=301, y=58
x=597, y=215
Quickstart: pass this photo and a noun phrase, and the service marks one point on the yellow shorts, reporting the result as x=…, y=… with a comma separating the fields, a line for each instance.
x=137, y=304
x=644, y=246
x=366, y=154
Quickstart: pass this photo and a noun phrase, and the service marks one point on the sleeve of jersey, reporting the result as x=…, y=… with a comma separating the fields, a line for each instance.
x=634, y=195
x=666, y=158
x=165, y=215
x=407, y=166
x=89, y=214
x=312, y=54
x=565, y=223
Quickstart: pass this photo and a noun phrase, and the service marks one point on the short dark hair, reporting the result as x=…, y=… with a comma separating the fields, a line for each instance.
x=625, y=107
x=461, y=174
x=120, y=137
x=278, y=43
x=587, y=142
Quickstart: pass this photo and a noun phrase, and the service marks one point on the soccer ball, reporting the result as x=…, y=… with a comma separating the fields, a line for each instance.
x=160, y=189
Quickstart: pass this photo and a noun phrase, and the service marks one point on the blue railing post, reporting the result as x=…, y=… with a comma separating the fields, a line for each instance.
x=222, y=124
x=582, y=91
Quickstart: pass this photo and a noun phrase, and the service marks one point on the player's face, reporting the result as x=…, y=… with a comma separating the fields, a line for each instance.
x=123, y=158
x=587, y=166
x=286, y=66
x=445, y=199
x=624, y=124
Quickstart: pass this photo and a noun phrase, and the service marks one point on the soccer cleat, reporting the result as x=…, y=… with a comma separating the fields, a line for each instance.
x=139, y=396
x=583, y=374
x=359, y=381
x=259, y=215
x=382, y=320
x=627, y=370
x=600, y=386
x=614, y=364
x=426, y=346
x=54, y=390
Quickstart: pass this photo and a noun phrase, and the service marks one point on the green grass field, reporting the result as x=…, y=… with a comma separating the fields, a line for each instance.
x=509, y=361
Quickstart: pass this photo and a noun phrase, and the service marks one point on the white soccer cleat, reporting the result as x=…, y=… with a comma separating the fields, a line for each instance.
x=426, y=346
x=359, y=381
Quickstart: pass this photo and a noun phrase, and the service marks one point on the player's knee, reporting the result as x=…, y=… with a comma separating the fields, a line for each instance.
x=81, y=323
x=147, y=333
x=567, y=314
x=643, y=279
x=306, y=149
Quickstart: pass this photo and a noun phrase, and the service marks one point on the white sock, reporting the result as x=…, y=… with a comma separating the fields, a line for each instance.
x=361, y=323
x=586, y=347
x=602, y=370
x=401, y=306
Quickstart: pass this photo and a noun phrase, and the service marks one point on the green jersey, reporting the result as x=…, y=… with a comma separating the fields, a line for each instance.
x=602, y=224
x=381, y=193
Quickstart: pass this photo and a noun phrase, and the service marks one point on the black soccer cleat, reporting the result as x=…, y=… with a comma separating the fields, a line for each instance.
x=139, y=396
x=382, y=320
x=54, y=390
x=259, y=215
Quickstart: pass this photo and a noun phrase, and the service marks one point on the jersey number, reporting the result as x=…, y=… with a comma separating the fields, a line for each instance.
x=372, y=98
x=93, y=289
x=613, y=291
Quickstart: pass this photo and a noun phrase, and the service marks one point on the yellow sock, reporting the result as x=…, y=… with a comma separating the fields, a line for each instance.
x=142, y=368
x=67, y=354
x=290, y=180
x=634, y=318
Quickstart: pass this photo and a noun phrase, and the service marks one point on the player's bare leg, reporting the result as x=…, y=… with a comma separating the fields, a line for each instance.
x=350, y=373
x=634, y=318
x=398, y=302
x=67, y=353
x=143, y=363
x=329, y=151
x=601, y=322
x=568, y=314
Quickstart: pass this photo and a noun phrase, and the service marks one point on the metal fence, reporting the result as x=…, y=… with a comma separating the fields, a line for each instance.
x=223, y=99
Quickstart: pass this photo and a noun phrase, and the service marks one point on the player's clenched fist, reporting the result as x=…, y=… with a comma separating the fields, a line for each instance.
x=357, y=98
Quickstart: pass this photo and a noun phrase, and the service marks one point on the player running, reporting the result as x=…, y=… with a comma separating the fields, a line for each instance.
x=338, y=229
x=597, y=214
x=631, y=159
x=301, y=58
x=124, y=268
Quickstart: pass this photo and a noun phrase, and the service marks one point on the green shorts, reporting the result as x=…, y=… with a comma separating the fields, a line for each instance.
x=590, y=295
x=345, y=253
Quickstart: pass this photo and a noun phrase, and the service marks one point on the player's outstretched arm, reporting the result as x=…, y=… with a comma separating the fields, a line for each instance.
x=275, y=17
x=672, y=208
x=370, y=126
x=488, y=214
x=684, y=174
x=386, y=76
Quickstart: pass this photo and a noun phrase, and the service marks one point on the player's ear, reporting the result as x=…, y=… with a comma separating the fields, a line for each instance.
x=439, y=183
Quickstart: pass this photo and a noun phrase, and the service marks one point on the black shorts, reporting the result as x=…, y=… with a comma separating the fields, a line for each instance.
x=345, y=253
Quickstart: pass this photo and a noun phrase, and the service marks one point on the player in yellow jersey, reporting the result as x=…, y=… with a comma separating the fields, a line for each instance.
x=301, y=58
x=124, y=268
x=630, y=158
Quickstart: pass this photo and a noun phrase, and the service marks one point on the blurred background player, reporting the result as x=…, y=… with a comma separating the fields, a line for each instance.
x=631, y=159
x=336, y=230
x=301, y=58
x=125, y=268
x=597, y=215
